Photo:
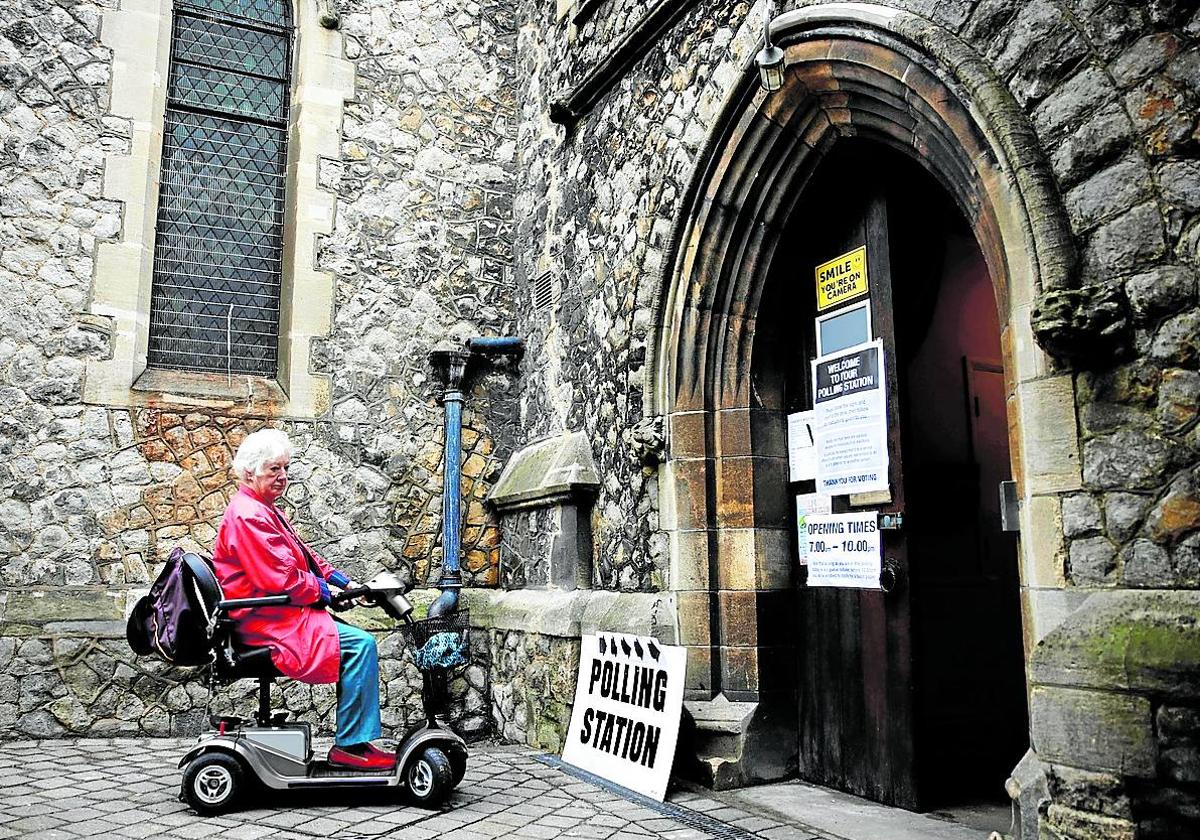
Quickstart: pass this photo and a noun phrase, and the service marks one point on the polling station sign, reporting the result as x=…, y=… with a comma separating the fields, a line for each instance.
x=628, y=701
x=842, y=279
x=851, y=421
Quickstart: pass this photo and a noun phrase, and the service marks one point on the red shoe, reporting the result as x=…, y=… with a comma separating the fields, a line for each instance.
x=368, y=759
x=388, y=755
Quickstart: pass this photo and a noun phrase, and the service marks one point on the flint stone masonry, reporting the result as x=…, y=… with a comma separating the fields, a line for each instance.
x=1080, y=515
x=1161, y=291
x=1130, y=459
x=92, y=498
x=64, y=676
x=1178, y=400
x=454, y=200
x=1145, y=564
x=1123, y=513
x=534, y=644
x=1092, y=562
x=533, y=687
x=1177, y=341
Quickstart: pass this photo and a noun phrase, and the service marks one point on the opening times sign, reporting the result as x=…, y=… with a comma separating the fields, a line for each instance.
x=628, y=702
x=844, y=550
x=851, y=421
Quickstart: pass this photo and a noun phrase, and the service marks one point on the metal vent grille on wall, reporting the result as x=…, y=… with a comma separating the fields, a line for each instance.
x=219, y=242
x=543, y=292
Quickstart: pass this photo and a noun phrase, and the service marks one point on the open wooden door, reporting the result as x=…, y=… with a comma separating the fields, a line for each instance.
x=856, y=714
x=915, y=696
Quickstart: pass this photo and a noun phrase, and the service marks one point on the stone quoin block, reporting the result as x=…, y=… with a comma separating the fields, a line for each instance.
x=1094, y=730
x=1043, y=556
x=1050, y=446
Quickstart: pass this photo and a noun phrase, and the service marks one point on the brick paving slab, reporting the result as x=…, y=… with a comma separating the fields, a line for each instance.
x=126, y=789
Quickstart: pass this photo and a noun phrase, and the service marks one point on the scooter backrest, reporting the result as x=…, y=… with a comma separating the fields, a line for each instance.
x=205, y=590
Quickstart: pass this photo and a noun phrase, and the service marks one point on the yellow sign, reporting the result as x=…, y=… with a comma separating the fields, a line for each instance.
x=842, y=279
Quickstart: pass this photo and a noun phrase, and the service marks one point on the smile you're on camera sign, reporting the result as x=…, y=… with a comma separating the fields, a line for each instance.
x=628, y=701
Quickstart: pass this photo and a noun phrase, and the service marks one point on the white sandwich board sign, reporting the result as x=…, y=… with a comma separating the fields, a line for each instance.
x=628, y=702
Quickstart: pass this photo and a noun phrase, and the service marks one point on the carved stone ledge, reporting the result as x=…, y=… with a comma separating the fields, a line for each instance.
x=647, y=441
x=1088, y=326
x=570, y=107
x=544, y=498
x=328, y=15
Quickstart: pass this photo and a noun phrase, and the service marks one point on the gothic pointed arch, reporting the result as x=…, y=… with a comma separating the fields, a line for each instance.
x=853, y=70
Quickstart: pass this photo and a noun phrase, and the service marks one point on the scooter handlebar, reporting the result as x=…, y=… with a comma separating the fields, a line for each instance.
x=350, y=594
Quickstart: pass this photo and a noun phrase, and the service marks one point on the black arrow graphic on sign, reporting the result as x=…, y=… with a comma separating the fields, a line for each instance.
x=637, y=648
x=603, y=645
x=650, y=646
x=625, y=647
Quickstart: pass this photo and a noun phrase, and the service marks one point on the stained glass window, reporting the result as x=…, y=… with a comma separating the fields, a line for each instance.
x=219, y=241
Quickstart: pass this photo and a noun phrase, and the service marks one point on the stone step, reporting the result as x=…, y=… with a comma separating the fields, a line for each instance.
x=718, y=737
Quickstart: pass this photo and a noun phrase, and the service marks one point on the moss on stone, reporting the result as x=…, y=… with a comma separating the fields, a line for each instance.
x=1139, y=641
x=16, y=629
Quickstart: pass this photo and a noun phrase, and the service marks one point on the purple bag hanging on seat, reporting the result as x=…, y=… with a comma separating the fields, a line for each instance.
x=170, y=622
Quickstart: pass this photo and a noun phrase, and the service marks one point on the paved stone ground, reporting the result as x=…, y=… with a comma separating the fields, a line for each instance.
x=128, y=788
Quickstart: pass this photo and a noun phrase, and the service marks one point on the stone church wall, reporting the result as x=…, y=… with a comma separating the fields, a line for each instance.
x=595, y=209
x=1111, y=92
x=462, y=209
x=92, y=498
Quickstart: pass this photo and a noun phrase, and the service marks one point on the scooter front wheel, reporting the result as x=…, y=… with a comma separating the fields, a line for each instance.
x=429, y=777
x=213, y=783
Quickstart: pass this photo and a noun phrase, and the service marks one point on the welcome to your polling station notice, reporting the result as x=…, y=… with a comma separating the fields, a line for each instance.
x=628, y=702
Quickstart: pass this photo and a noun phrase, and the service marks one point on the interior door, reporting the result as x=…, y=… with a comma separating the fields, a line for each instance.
x=856, y=712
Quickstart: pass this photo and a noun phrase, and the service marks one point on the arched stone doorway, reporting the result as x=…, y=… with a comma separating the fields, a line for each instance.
x=854, y=71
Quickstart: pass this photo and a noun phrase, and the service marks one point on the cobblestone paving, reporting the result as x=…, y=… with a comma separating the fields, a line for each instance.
x=128, y=788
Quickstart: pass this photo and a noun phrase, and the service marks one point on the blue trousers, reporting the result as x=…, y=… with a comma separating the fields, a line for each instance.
x=358, y=687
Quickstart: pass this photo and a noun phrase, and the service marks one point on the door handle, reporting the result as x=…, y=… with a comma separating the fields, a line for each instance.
x=891, y=576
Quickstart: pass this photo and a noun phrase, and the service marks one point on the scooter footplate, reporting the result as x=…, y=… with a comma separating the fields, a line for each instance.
x=324, y=773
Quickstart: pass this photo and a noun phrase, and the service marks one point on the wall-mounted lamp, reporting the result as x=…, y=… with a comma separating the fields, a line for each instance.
x=770, y=59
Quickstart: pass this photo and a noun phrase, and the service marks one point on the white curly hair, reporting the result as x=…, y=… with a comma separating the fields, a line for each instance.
x=258, y=448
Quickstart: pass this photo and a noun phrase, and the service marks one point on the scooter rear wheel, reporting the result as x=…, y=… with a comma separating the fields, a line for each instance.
x=429, y=777
x=213, y=783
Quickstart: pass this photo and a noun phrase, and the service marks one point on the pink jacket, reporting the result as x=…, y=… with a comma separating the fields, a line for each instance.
x=256, y=555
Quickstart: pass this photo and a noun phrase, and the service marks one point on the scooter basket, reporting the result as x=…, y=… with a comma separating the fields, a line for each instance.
x=440, y=642
x=437, y=644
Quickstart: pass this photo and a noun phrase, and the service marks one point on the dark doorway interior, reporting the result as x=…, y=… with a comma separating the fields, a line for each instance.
x=961, y=615
x=971, y=709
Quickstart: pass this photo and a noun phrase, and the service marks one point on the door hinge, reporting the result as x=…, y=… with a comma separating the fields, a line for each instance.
x=1009, y=508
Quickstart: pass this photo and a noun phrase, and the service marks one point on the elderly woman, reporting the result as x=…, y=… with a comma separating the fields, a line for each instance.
x=259, y=553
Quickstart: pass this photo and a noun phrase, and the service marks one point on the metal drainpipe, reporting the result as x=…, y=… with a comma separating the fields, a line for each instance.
x=450, y=360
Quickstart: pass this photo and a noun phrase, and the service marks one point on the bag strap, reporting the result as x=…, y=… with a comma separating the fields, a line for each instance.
x=312, y=564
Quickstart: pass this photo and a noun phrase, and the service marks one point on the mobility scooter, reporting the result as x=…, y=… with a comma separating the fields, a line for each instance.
x=276, y=753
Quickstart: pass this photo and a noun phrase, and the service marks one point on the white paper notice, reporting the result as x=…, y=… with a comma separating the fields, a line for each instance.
x=808, y=504
x=628, y=703
x=802, y=447
x=851, y=421
x=843, y=550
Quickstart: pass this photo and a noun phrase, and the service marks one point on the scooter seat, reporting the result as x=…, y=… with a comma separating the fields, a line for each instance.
x=252, y=663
